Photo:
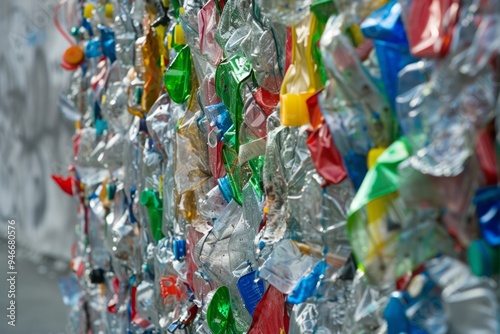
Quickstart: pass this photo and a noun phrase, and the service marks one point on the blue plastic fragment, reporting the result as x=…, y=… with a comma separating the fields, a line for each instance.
x=251, y=290
x=108, y=42
x=307, y=286
x=179, y=249
x=219, y=116
x=356, y=168
x=392, y=58
x=225, y=188
x=487, y=202
x=395, y=315
x=93, y=49
x=87, y=26
x=385, y=24
x=100, y=126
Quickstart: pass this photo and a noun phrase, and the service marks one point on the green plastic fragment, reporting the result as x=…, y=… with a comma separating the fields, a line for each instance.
x=178, y=76
x=155, y=212
x=220, y=316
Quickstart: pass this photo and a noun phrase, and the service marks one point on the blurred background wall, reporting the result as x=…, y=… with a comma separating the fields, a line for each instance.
x=35, y=139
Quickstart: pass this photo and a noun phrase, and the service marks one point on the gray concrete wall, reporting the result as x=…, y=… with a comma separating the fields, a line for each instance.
x=35, y=139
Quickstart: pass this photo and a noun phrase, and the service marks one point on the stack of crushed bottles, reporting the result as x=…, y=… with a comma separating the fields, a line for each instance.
x=285, y=166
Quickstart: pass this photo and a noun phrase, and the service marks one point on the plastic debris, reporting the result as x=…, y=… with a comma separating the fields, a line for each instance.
x=291, y=166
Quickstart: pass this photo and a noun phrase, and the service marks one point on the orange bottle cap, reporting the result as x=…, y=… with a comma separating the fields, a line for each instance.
x=73, y=55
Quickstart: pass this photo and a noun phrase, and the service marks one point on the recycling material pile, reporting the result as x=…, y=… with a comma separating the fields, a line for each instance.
x=285, y=166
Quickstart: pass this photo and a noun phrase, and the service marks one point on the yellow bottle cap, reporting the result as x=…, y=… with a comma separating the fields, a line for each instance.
x=108, y=10
x=88, y=11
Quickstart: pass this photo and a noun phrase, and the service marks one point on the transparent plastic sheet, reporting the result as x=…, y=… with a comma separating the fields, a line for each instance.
x=131, y=158
x=260, y=45
x=466, y=298
x=287, y=12
x=362, y=314
x=286, y=266
x=347, y=125
x=191, y=146
x=96, y=245
x=233, y=20
x=163, y=122
x=324, y=213
x=217, y=245
x=76, y=93
x=343, y=66
x=454, y=190
x=158, y=121
x=208, y=18
x=241, y=242
x=88, y=153
x=167, y=291
x=325, y=314
x=287, y=161
x=422, y=239
x=212, y=206
x=124, y=239
x=116, y=99
x=190, y=206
